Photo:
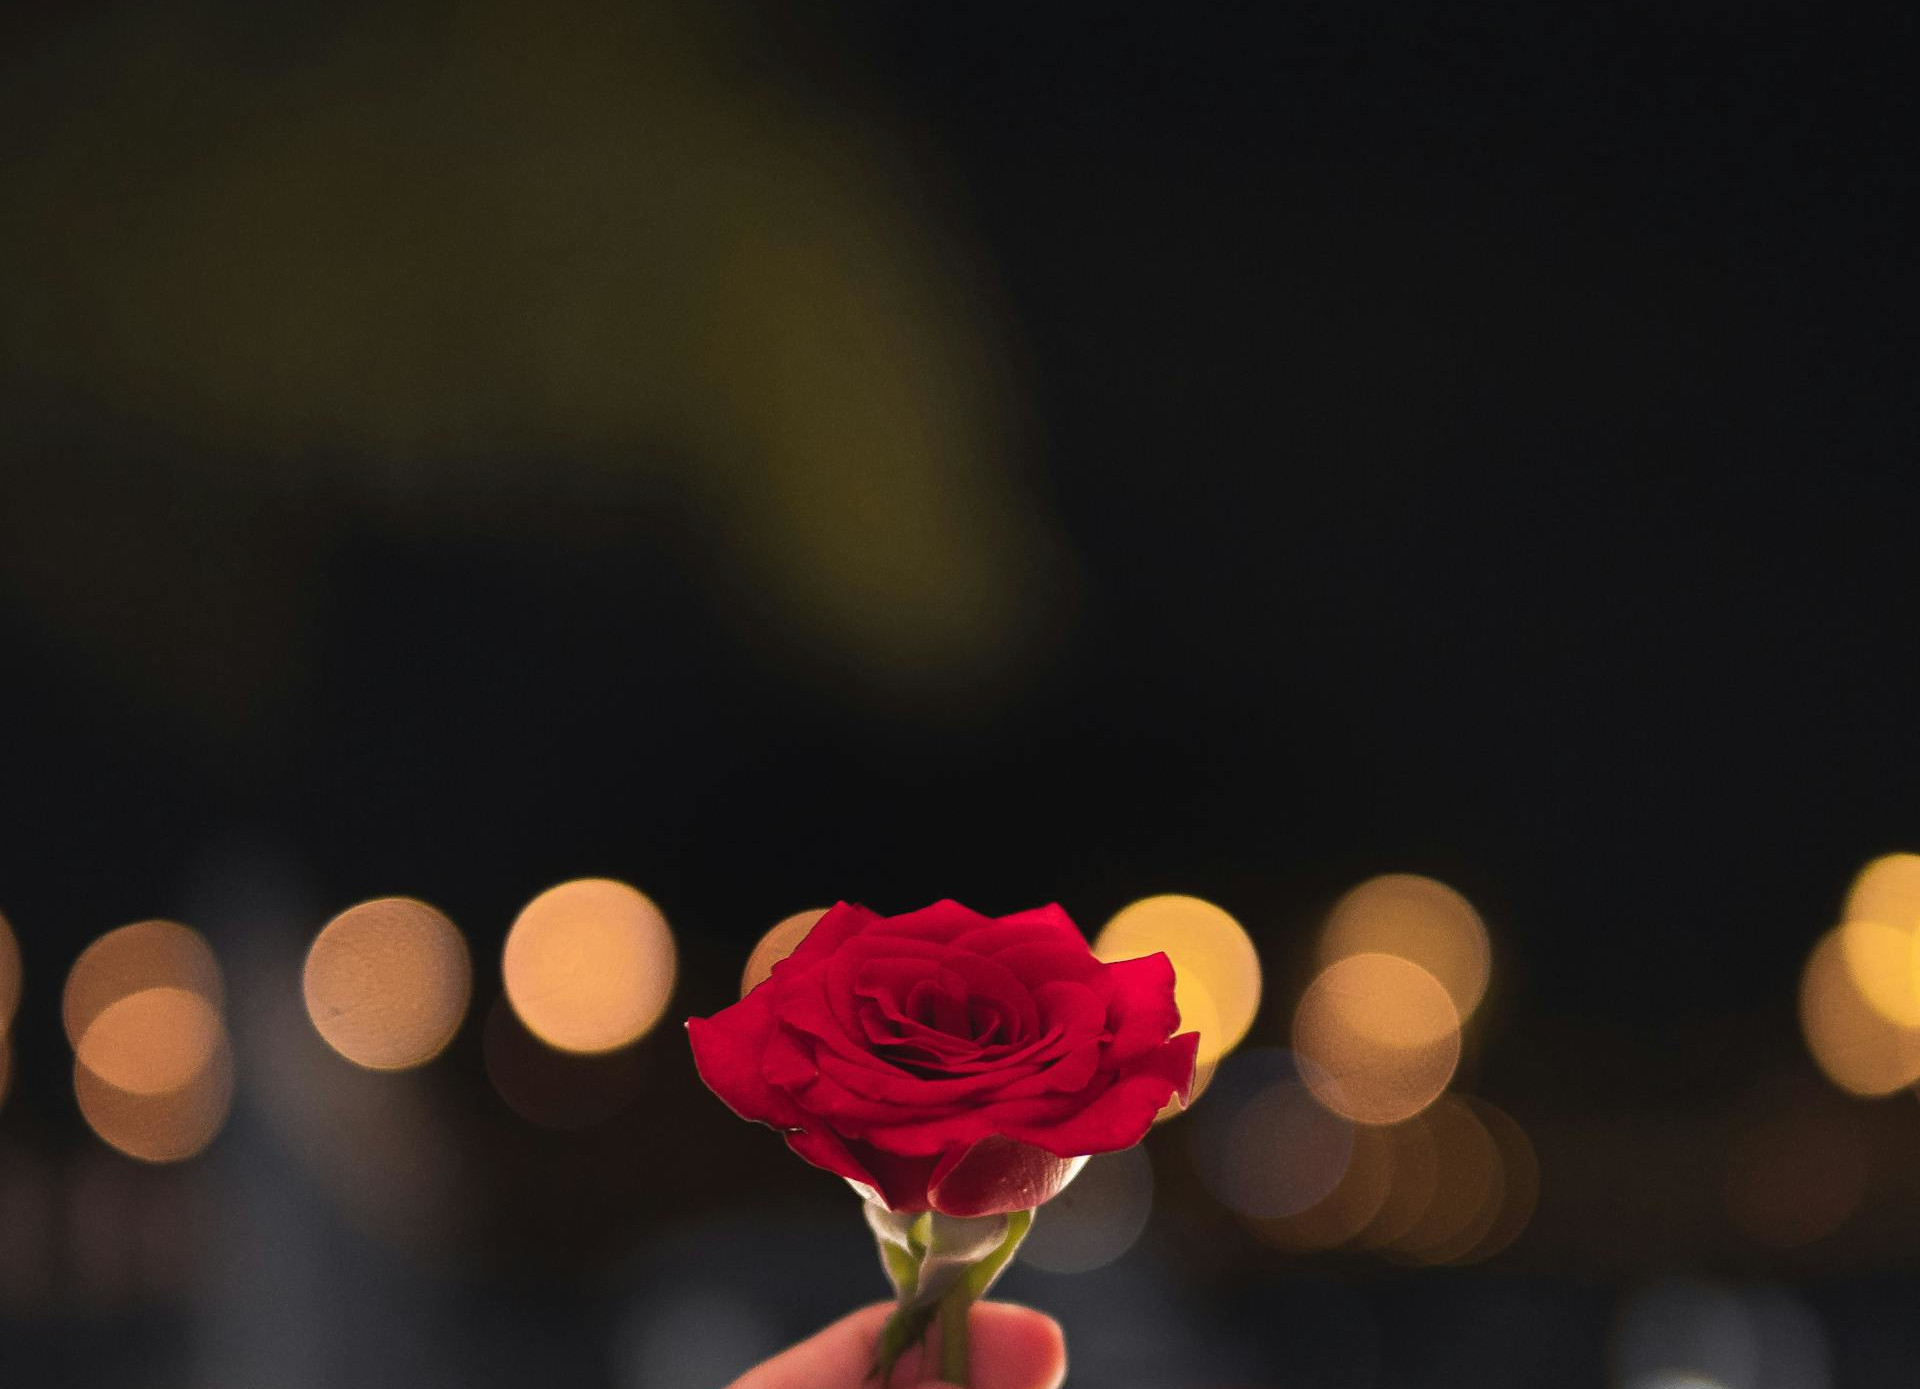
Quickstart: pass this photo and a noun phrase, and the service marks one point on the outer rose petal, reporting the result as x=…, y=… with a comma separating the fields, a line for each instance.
x=997, y=1175
x=729, y=1049
x=1142, y=1010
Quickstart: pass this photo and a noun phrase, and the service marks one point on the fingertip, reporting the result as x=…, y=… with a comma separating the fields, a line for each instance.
x=1016, y=1347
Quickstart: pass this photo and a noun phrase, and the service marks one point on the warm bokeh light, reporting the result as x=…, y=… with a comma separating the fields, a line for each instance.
x=1097, y=1218
x=557, y=1089
x=589, y=965
x=1277, y=1154
x=1418, y=919
x=152, y=1042
x=1798, y=1164
x=1346, y=1210
x=778, y=943
x=1887, y=891
x=1858, y=1047
x=1415, y=1177
x=1880, y=964
x=1383, y=1037
x=1520, y=1183
x=1467, y=1190
x=1216, y=968
x=9, y=975
x=387, y=983
x=146, y=955
x=166, y=1127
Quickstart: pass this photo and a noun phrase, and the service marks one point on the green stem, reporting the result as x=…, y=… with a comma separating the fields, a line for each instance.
x=955, y=1344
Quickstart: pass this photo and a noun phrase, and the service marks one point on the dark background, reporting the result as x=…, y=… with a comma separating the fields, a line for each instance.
x=1273, y=445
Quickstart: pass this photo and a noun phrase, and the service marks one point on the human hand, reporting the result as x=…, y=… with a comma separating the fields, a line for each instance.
x=1013, y=1348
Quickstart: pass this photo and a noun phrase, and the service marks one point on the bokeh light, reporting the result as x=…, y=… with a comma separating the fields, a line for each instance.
x=145, y=955
x=1414, y=1170
x=1216, y=968
x=557, y=1089
x=1418, y=919
x=1382, y=1034
x=9, y=975
x=1797, y=1165
x=1467, y=1188
x=1349, y=1207
x=1860, y=1049
x=589, y=965
x=1683, y=1331
x=1097, y=1218
x=1887, y=891
x=165, y=1127
x=1520, y=1183
x=387, y=983
x=779, y=942
x=152, y=1042
x=1880, y=964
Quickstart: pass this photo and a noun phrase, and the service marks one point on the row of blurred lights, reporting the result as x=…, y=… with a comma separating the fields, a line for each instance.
x=588, y=969
x=1350, y=1138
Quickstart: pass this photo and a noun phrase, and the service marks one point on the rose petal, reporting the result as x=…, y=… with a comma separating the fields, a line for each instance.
x=727, y=1052
x=997, y=1175
x=1142, y=1014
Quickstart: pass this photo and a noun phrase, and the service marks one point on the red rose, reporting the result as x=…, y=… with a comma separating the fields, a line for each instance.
x=947, y=1060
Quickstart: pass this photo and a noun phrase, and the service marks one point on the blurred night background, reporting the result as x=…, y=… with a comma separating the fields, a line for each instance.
x=768, y=454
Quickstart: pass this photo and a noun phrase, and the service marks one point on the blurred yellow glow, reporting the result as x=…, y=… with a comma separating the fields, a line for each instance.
x=146, y=955
x=151, y=1042
x=1418, y=919
x=1216, y=968
x=778, y=943
x=1383, y=1034
x=1348, y=1208
x=1519, y=1189
x=1467, y=1192
x=557, y=1089
x=1415, y=1176
x=1860, y=1048
x=9, y=975
x=1881, y=966
x=166, y=1127
x=1887, y=891
x=589, y=965
x=387, y=983
x=1798, y=1166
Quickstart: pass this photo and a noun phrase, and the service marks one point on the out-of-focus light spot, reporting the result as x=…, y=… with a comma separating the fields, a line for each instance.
x=1415, y=1176
x=387, y=983
x=146, y=955
x=1520, y=1184
x=778, y=943
x=1887, y=891
x=1798, y=1165
x=152, y=1042
x=1467, y=1192
x=1860, y=1048
x=1383, y=1037
x=1680, y=1331
x=1097, y=1218
x=1216, y=968
x=1346, y=1210
x=557, y=1089
x=166, y=1127
x=1794, y=1349
x=589, y=965
x=1881, y=966
x=1418, y=919
x=1264, y=1146
x=9, y=975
